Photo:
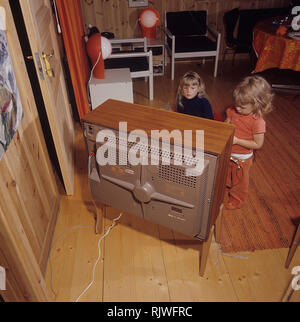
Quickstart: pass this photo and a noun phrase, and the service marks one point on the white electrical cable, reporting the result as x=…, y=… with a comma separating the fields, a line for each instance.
x=99, y=255
x=95, y=65
x=91, y=75
x=83, y=226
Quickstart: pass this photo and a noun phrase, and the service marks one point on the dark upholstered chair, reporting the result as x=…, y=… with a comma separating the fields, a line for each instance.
x=137, y=59
x=187, y=37
x=230, y=20
x=245, y=20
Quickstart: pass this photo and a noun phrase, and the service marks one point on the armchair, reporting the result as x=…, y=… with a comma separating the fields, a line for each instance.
x=187, y=37
x=137, y=59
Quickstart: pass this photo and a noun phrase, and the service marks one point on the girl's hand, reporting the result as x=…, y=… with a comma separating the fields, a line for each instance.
x=256, y=143
x=235, y=140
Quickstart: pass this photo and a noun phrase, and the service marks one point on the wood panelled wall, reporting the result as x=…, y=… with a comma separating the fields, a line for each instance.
x=115, y=16
x=29, y=197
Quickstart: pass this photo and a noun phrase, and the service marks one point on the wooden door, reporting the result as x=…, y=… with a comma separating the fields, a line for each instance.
x=42, y=34
x=29, y=197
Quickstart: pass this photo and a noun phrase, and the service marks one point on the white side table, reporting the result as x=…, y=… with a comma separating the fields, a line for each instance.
x=117, y=84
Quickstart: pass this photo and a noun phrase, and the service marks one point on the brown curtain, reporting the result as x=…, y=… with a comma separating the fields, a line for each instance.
x=71, y=22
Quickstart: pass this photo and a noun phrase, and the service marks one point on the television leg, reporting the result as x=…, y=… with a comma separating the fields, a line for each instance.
x=218, y=225
x=293, y=247
x=205, y=245
x=204, y=250
x=288, y=293
x=100, y=214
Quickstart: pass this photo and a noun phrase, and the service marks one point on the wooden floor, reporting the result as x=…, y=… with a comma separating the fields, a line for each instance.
x=142, y=261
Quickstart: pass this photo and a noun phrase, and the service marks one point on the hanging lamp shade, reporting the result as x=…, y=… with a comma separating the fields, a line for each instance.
x=149, y=19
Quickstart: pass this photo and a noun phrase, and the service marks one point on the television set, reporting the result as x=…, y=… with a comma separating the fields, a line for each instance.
x=150, y=177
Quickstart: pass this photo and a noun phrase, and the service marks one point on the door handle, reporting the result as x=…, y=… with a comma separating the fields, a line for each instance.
x=46, y=57
x=49, y=55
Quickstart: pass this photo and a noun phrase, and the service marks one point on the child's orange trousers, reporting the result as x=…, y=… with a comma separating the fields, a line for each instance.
x=238, y=181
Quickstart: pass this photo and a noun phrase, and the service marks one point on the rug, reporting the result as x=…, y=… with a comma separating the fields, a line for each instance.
x=246, y=231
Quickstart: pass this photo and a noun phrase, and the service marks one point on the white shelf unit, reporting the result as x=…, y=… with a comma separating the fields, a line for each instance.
x=158, y=53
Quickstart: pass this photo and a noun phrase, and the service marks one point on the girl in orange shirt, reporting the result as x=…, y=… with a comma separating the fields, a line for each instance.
x=253, y=99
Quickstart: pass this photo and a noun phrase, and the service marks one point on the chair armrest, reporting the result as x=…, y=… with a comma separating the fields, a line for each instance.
x=213, y=31
x=129, y=40
x=135, y=54
x=168, y=33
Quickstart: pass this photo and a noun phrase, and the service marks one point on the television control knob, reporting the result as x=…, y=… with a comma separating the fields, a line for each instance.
x=143, y=193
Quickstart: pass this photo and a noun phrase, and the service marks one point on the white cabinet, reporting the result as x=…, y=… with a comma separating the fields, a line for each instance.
x=117, y=84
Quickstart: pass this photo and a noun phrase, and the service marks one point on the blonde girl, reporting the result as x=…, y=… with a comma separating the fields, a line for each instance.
x=253, y=99
x=191, y=98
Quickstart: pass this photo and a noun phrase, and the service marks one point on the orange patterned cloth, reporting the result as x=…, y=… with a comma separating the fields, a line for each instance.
x=274, y=51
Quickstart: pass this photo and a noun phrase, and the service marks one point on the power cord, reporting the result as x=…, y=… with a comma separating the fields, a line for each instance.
x=99, y=255
x=97, y=61
x=91, y=155
x=91, y=75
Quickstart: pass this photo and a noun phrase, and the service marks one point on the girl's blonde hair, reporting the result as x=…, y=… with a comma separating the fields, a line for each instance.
x=189, y=79
x=257, y=91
